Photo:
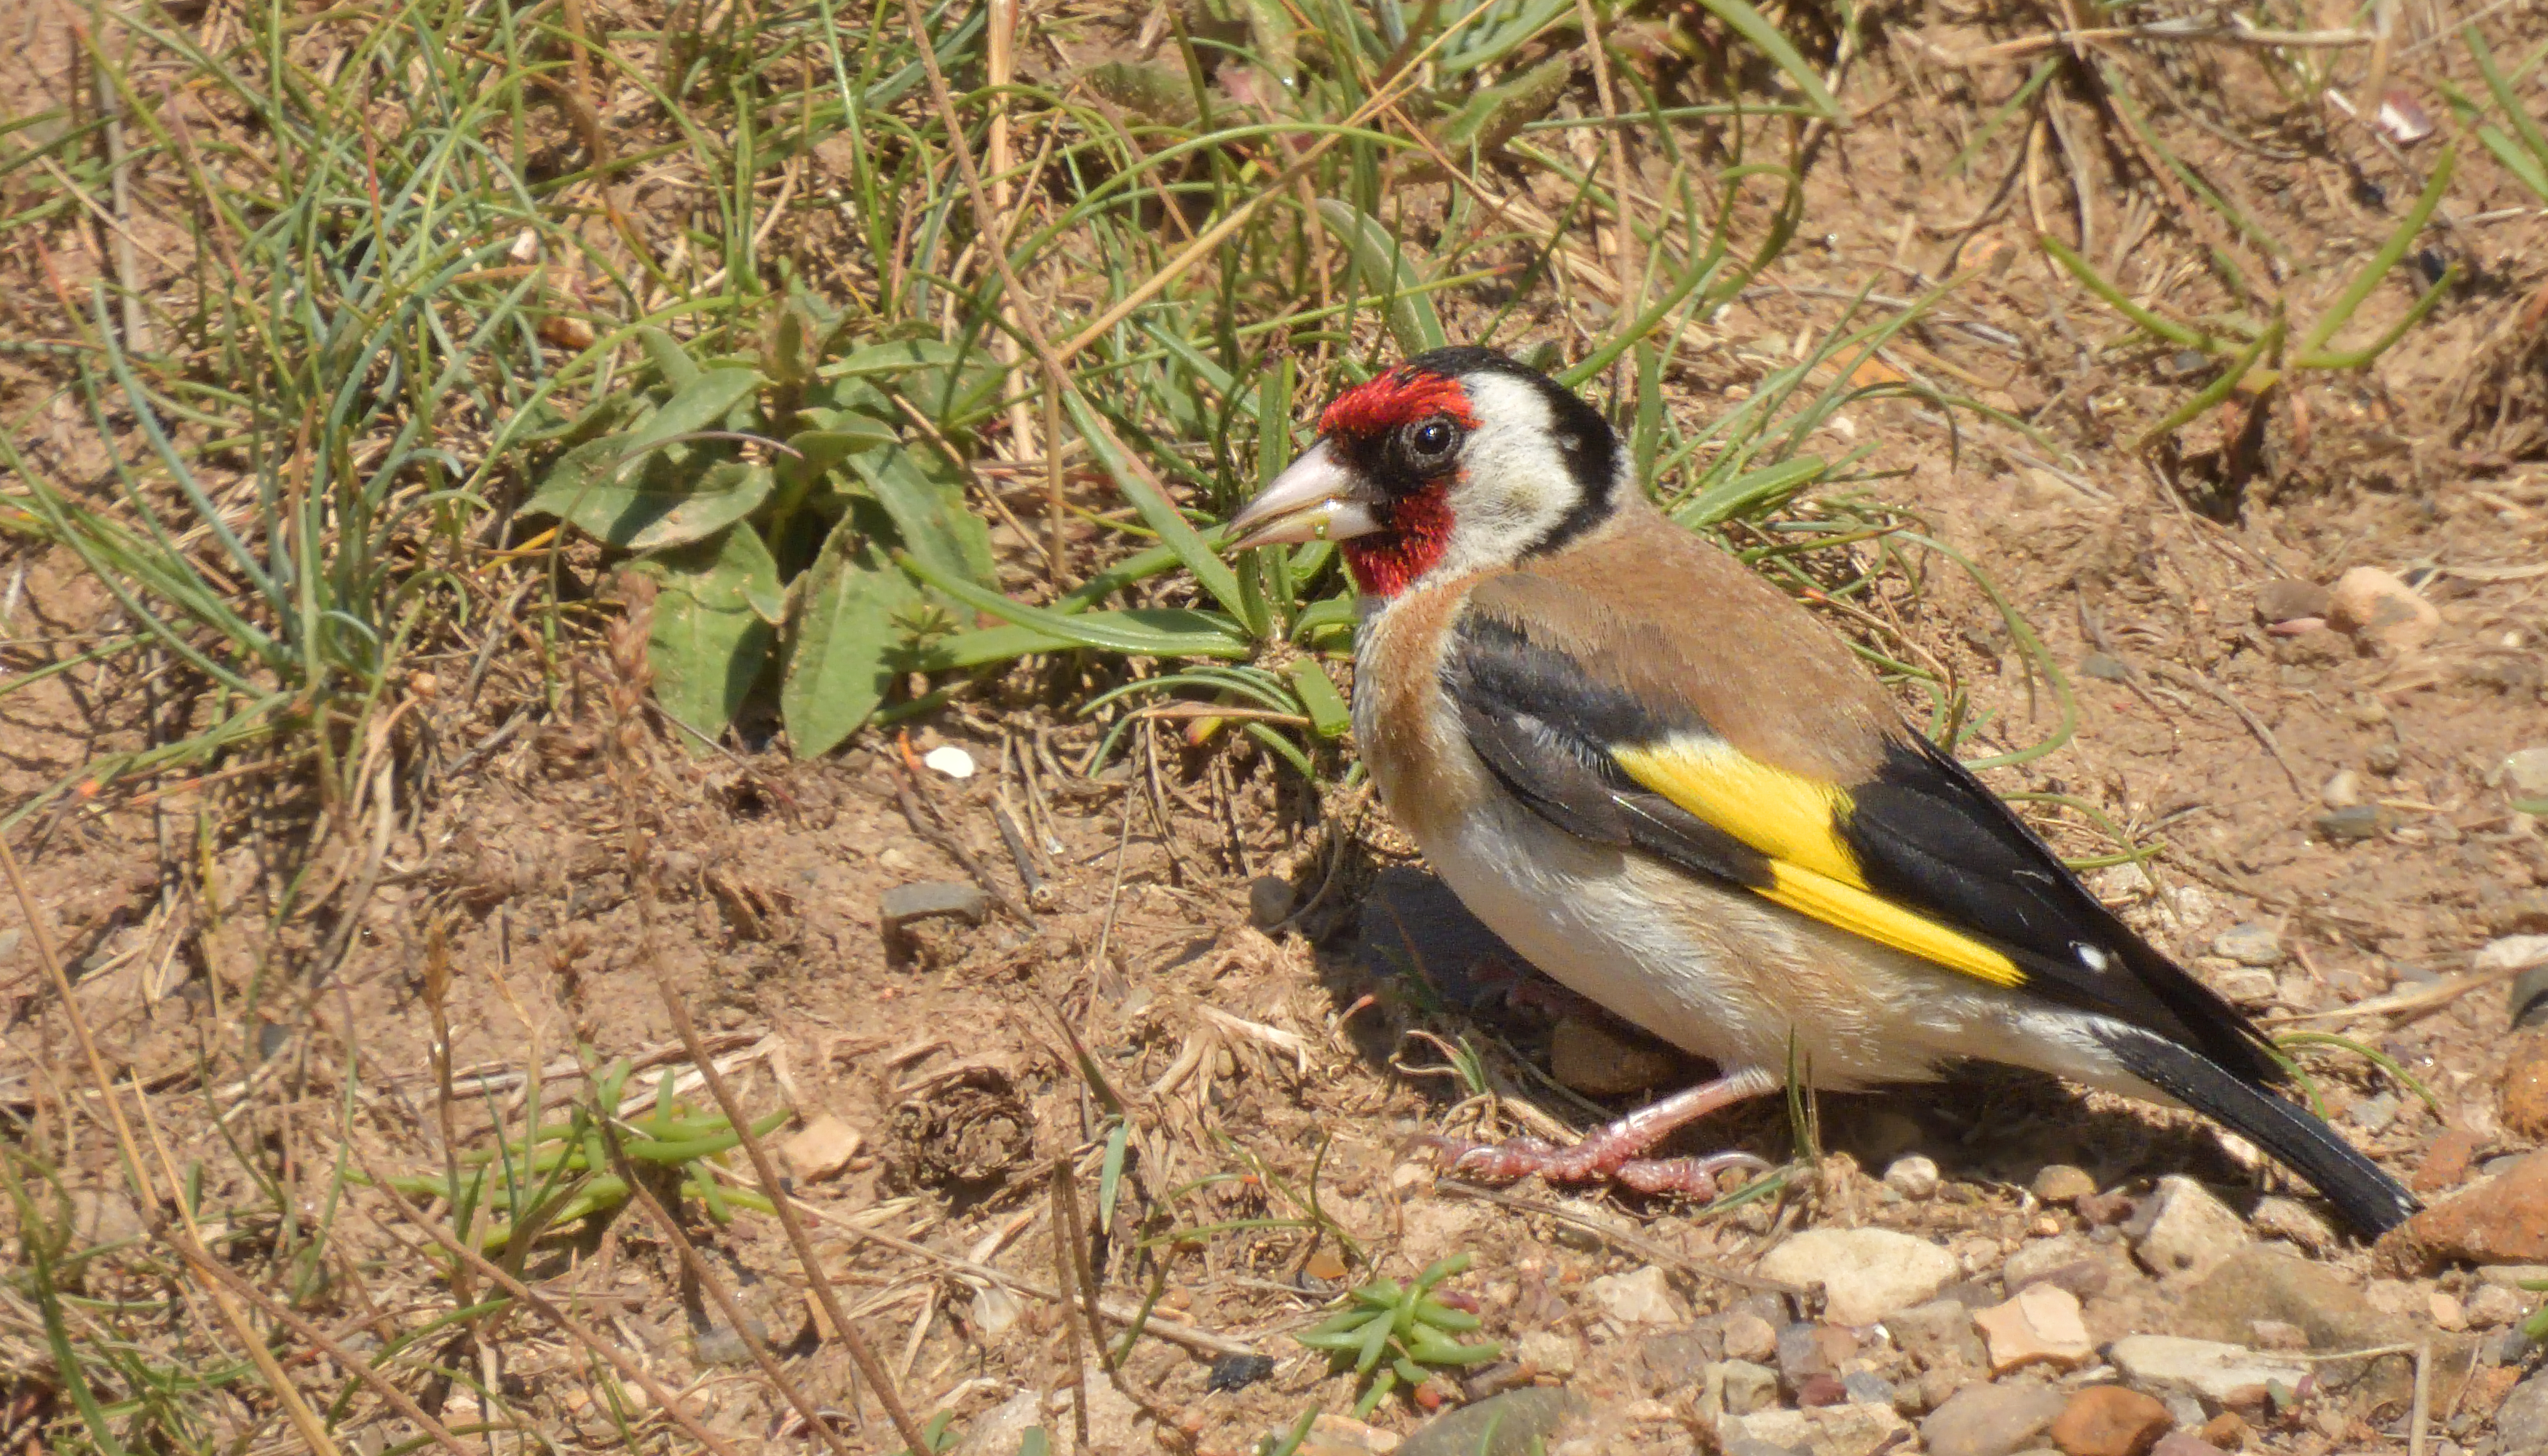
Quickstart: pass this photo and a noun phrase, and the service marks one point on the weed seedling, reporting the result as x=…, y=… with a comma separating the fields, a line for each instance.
x=1394, y=1335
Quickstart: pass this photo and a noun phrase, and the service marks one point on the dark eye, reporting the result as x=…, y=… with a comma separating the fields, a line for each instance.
x=1431, y=443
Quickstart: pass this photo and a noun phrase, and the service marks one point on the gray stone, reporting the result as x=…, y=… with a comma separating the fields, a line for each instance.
x=1677, y=1359
x=1552, y=1350
x=2285, y=599
x=2218, y=1375
x=2375, y=1113
x=2529, y=1003
x=2249, y=943
x=1642, y=1297
x=2037, y=1259
x=1270, y=899
x=2350, y=825
x=1867, y=1274
x=1516, y=1419
x=1913, y=1176
x=1859, y=1428
x=1747, y=1387
x=2274, y=1283
x=1867, y=1388
x=2184, y=1230
x=1936, y=1335
x=1991, y=1419
x=930, y=899
x=2522, y=1421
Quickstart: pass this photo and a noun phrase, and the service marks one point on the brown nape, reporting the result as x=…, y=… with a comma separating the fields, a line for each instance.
x=1685, y=627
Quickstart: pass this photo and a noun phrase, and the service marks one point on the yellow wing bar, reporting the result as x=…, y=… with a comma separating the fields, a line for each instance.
x=1795, y=821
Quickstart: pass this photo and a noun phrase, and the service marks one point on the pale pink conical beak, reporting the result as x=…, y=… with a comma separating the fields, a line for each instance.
x=1315, y=499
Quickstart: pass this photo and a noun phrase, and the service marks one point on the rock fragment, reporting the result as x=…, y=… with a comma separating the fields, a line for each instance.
x=2501, y=1220
x=1913, y=1176
x=929, y=899
x=2218, y=1375
x=2250, y=944
x=1859, y=1428
x=1991, y=1419
x=821, y=1148
x=2063, y=1183
x=2375, y=606
x=1640, y=1298
x=2184, y=1230
x=2041, y=1325
x=2111, y=1420
x=1865, y=1273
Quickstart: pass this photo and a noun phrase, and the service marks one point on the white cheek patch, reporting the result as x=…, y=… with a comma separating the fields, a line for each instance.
x=1514, y=486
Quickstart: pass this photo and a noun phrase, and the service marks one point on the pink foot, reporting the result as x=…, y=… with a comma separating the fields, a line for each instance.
x=1611, y=1151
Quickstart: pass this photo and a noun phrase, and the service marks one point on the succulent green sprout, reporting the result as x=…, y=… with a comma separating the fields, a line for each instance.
x=1394, y=1335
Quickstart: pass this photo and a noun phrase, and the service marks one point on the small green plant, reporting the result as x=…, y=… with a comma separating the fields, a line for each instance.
x=561, y=1172
x=2259, y=353
x=1393, y=1335
x=2535, y=1328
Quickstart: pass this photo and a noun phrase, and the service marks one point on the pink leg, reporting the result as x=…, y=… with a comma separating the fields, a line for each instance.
x=1611, y=1151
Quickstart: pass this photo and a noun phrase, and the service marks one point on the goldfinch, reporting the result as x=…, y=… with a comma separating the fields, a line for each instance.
x=1666, y=784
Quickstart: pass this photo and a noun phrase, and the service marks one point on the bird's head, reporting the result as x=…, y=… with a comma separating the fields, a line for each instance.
x=1456, y=461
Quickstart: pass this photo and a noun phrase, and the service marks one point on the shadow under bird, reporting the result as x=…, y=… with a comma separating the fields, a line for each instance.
x=1668, y=786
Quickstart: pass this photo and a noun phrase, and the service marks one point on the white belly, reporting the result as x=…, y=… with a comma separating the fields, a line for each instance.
x=1726, y=976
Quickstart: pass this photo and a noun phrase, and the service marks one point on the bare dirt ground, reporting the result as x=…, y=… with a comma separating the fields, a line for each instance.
x=1274, y=1064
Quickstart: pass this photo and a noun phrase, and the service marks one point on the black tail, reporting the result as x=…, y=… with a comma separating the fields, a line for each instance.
x=2369, y=1200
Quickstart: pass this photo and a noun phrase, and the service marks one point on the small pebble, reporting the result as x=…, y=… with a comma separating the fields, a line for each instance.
x=2349, y=826
x=2342, y=789
x=2249, y=943
x=1747, y=1336
x=950, y=760
x=2063, y=1183
x=905, y=903
x=2490, y=1305
x=1912, y=1177
x=2384, y=759
x=1270, y=899
x=2285, y=599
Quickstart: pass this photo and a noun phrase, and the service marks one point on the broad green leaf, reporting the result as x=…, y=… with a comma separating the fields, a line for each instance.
x=818, y=450
x=726, y=492
x=710, y=640
x=840, y=638
x=1391, y=268
x=899, y=357
x=699, y=404
x=930, y=514
x=647, y=502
